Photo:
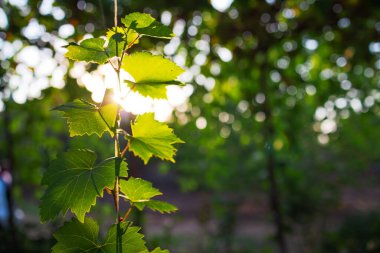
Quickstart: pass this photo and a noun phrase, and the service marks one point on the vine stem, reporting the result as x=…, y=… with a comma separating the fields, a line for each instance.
x=119, y=154
x=117, y=122
x=124, y=150
x=116, y=187
x=115, y=12
x=127, y=213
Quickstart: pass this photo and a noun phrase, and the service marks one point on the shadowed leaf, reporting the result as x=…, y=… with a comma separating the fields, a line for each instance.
x=74, y=182
x=76, y=237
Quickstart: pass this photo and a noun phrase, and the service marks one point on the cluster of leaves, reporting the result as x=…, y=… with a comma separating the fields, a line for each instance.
x=75, y=179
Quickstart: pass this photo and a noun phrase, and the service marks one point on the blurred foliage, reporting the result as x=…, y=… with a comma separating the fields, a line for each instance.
x=358, y=233
x=313, y=65
x=289, y=59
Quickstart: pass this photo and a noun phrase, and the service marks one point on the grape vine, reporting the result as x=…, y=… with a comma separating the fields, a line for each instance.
x=75, y=179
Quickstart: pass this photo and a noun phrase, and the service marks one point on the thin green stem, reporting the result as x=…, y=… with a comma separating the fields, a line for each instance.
x=117, y=125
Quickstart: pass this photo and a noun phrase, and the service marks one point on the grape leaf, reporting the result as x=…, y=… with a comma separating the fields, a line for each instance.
x=89, y=50
x=156, y=205
x=138, y=190
x=74, y=182
x=118, y=31
x=156, y=250
x=152, y=138
x=76, y=237
x=151, y=73
x=111, y=47
x=131, y=240
x=122, y=36
x=146, y=25
x=154, y=90
x=85, y=118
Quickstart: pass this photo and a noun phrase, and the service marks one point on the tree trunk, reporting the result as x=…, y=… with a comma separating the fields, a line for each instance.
x=269, y=135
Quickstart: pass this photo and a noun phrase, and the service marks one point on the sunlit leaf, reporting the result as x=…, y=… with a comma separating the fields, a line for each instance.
x=85, y=118
x=74, y=182
x=89, y=50
x=123, y=34
x=151, y=73
x=146, y=25
x=156, y=205
x=156, y=250
x=138, y=190
x=122, y=40
x=152, y=138
x=76, y=237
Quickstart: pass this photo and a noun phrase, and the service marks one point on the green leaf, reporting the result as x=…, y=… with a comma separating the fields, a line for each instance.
x=156, y=250
x=156, y=205
x=152, y=138
x=138, y=190
x=152, y=89
x=146, y=25
x=131, y=240
x=89, y=50
x=76, y=237
x=151, y=73
x=94, y=50
x=121, y=36
x=74, y=182
x=111, y=47
x=118, y=35
x=85, y=118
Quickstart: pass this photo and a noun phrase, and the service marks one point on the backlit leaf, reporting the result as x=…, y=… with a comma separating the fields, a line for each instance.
x=89, y=50
x=152, y=138
x=85, y=118
x=138, y=190
x=151, y=73
x=156, y=205
x=156, y=250
x=111, y=48
x=74, y=182
x=122, y=40
x=146, y=25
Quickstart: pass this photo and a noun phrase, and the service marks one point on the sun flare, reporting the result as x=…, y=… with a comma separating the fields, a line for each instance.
x=104, y=77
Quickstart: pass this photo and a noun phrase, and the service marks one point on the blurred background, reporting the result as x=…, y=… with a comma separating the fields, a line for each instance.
x=280, y=114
